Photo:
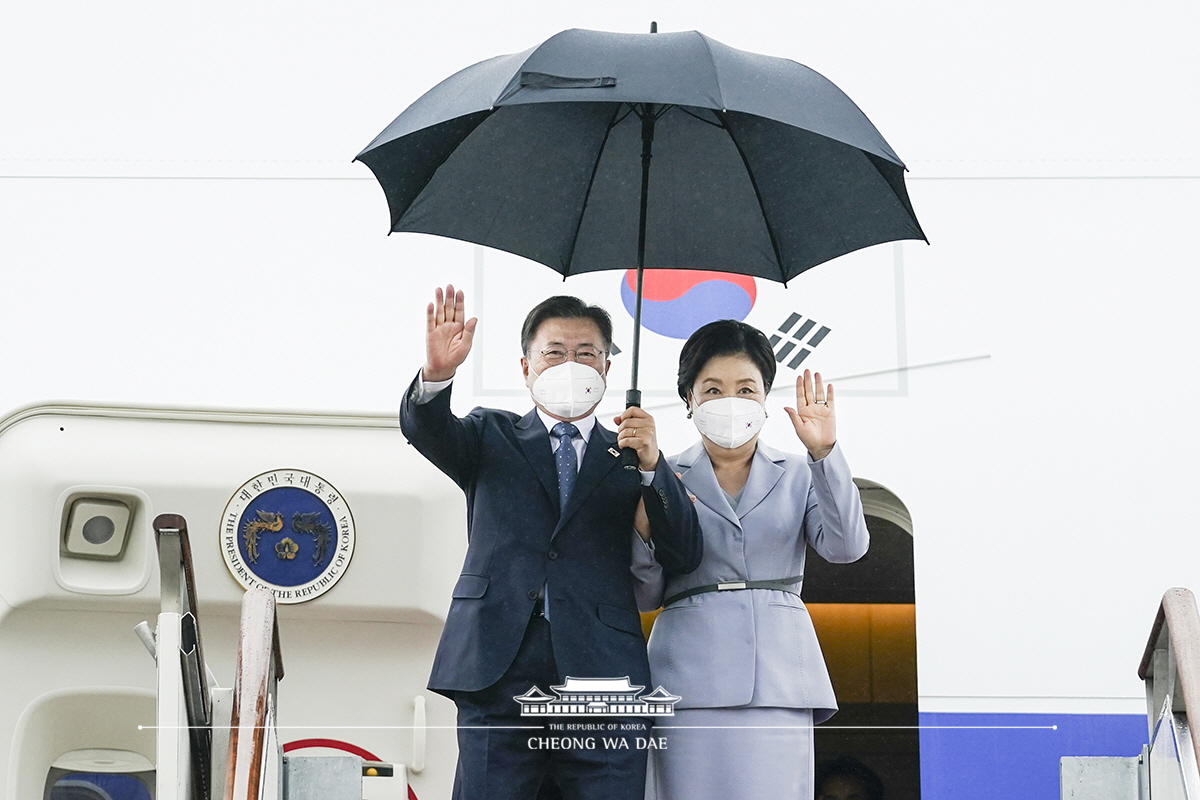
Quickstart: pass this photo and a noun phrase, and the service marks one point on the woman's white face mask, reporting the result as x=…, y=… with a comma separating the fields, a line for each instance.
x=568, y=390
x=729, y=422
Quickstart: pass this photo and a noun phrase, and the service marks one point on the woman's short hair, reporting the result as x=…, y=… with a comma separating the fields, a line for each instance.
x=563, y=306
x=725, y=337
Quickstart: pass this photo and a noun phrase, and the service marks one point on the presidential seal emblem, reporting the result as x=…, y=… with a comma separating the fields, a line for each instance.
x=289, y=531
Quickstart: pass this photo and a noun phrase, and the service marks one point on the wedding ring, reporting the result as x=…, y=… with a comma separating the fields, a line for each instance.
x=821, y=402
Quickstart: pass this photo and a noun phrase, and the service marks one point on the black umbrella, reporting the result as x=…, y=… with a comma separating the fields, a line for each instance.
x=761, y=166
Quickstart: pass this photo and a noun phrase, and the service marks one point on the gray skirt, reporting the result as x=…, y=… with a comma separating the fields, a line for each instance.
x=732, y=753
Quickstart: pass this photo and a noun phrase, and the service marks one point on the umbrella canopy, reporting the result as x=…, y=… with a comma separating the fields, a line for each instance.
x=760, y=165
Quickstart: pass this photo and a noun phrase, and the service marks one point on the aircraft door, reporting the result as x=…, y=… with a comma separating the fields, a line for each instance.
x=865, y=616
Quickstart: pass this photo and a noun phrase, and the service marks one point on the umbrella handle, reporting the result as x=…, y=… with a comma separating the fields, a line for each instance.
x=629, y=456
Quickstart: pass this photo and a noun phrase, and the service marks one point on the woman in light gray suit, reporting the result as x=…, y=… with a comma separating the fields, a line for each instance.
x=734, y=641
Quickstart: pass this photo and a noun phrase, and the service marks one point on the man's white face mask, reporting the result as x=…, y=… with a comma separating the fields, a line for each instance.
x=729, y=422
x=568, y=390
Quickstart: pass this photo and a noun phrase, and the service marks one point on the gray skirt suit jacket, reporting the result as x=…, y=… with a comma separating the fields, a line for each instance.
x=752, y=647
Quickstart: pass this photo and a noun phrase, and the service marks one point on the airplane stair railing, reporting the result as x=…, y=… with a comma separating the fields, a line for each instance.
x=1167, y=766
x=215, y=743
x=1171, y=670
x=184, y=742
x=255, y=758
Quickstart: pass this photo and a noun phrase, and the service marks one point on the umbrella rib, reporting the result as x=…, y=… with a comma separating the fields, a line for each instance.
x=696, y=116
x=716, y=76
x=757, y=196
x=612, y=123
x=616, y=122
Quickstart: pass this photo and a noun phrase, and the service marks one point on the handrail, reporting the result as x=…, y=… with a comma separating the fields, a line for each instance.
x=177, y=580
x=259, y=667
x=1171, y=662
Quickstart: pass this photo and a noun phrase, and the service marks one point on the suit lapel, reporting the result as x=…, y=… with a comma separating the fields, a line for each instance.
x=535, y=444
x=700, y=480
x=597, y=462
x=765, y=471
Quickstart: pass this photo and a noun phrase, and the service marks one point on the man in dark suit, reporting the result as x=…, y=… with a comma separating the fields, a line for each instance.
x=546, y=591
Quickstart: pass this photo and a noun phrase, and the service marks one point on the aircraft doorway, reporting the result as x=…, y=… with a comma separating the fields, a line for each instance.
x=865, y=616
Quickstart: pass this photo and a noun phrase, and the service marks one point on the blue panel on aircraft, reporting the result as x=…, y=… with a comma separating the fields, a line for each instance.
x=985, y=756
x=101, y=786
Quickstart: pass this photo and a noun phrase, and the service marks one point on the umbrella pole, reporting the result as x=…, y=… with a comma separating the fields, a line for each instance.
x=633, y=397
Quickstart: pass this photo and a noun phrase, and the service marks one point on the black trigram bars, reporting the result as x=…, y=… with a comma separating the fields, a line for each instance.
x=787, y=340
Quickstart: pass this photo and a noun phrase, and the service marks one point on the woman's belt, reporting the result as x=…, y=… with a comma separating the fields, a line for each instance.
x=779, y=584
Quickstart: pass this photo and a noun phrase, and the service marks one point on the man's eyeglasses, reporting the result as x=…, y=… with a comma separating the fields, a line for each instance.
x=584, y=355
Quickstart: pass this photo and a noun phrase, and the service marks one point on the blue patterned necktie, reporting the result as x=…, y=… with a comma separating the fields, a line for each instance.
x=565, y=461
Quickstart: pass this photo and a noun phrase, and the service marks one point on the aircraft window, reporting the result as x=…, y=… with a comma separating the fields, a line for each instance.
x=69, y=785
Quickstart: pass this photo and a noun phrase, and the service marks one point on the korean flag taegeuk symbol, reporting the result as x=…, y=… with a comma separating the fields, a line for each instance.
x=675, y=302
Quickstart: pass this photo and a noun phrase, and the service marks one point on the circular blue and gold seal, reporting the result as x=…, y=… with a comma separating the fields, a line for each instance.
x=289, y=531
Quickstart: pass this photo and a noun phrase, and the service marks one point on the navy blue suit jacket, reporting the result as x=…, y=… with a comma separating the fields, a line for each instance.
x=518, y=542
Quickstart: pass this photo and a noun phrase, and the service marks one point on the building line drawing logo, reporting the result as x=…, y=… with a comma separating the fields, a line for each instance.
x=598, y=697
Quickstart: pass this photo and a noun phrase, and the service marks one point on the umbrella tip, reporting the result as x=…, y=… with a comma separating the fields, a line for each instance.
x=654, y=27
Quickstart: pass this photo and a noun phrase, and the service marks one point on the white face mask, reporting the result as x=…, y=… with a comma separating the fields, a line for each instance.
x=729, y=422
x=568, y=390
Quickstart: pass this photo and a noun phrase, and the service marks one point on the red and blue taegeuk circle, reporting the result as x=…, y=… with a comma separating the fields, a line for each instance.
x=675, y=302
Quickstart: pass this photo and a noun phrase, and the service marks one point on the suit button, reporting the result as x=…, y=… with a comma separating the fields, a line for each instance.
x=531, y=594
x=553, y=554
